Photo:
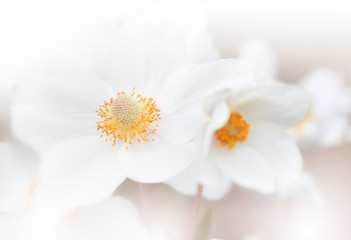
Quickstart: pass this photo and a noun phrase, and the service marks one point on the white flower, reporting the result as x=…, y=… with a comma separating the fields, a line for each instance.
x=244, y=140
x=113, y=218
x=27, y=215
x=70, y=117
x=328, y=118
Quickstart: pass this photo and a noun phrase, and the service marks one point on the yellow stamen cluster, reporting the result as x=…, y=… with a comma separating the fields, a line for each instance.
x=235, y=130
x=127, y=118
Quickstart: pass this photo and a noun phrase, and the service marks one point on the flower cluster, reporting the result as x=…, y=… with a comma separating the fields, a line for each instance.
x=162, y=109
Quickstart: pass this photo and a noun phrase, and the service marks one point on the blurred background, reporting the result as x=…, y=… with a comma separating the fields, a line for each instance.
x=302, y=35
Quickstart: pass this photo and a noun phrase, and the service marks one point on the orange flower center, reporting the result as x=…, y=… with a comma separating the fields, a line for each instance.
x=127, y=118
x=235, y=130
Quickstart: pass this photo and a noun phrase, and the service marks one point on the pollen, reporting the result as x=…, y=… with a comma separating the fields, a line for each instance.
x=128, y=118
x=235, y=130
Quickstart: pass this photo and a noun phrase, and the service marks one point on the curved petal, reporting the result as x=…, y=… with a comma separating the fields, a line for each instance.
x=146, y=51
x=278, y=148
x=186, y=90
x=245, y=167
x=219, y=118
x=80, y=171
x=281, y=104
x=155, y=161
x=195, y=82
x=111, y=219
x=181, y=126
x=57, y=108
x=203, y=172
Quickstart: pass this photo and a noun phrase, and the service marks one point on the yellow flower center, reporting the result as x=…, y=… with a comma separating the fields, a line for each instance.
x=235, y=130
x=127, y=118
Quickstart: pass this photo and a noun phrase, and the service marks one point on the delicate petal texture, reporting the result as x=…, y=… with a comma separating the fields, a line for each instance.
x=215, y=186
x=15, y=182
x=278, y=148
x=185, y=92
x=111, y=219
x=146, y=51
x=178, y=127
x=57, y=108
x=80, y=171
x=246, y=167
x=280, y=104
x=258, y=53
x=193, y=83
x=154, y=161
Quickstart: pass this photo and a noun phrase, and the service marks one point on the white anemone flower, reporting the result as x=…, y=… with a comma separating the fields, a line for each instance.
x=113, y=218
x=94, y=133
x=328, y=118
x=245, y=140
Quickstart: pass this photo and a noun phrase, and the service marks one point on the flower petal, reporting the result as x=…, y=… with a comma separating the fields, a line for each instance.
x=186, y=90
x=113, y=218
x=281, y=104
x=80, y=171
x=57, y=108
x=245, y=167
x=146, y=51
x=155, y=161
x=195, y=82
x=220, y=116
x=278, y=148
x=202, y=172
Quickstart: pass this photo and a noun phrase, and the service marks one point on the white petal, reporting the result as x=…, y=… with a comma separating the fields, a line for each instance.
x=278, y=103
x=203, y=172
x=182, y=125
x=195, y=82
x=155, y=161
x=57, y=108
x=278, y=148
x=185, y=92
x=80, y=171
x=114, y=218
x=245, y=167
x=219, y=117
x=146, y=51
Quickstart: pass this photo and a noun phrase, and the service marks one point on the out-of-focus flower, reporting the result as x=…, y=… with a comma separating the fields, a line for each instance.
x=244, y=140
x=329, y=113
x=113, y=218
x=70, y=116
x=303, y=189
x=17, y=175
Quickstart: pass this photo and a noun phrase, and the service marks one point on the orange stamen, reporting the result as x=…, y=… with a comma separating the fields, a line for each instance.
x=235, y=130
x=127, y=117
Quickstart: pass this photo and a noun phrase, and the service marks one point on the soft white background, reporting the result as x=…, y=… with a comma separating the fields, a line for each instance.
x=303, y=34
